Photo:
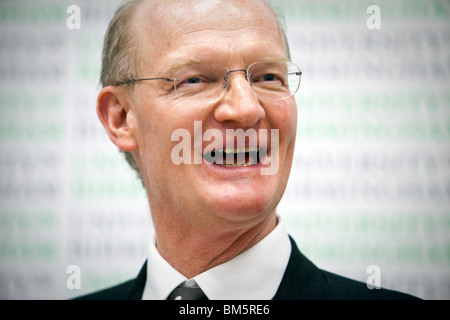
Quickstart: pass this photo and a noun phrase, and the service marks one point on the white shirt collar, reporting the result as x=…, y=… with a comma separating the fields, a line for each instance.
x=255, y=274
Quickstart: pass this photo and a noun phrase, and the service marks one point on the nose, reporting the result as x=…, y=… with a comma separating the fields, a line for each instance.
x=239, y=103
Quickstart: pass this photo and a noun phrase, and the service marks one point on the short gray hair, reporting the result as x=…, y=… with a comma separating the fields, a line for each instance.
x=119, y=49
x=119, y=57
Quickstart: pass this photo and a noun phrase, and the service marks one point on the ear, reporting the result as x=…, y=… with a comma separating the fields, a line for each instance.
x=114, y=113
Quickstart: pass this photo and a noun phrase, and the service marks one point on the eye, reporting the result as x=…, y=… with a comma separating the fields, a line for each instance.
x=192, y=83
x=189, y=80
x=192, y=80
x=269, y=77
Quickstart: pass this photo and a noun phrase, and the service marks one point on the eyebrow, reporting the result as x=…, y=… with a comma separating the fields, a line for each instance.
x=170, y=70
x=173, y=68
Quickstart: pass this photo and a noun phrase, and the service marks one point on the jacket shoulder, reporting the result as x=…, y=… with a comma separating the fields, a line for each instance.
x=303, y=280
x=343, y=288
x=117, y=292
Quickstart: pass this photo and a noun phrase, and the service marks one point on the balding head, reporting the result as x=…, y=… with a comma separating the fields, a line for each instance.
x=119, y=58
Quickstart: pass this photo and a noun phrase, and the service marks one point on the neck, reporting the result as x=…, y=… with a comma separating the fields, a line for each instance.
x=192, y=251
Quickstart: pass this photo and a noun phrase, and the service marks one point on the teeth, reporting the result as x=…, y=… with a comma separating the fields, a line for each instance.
x=239, y=150
x=244, y=162
x=239, y=157
x=238, y=165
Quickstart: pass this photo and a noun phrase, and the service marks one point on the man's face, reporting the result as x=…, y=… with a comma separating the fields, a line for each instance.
x=235, y=34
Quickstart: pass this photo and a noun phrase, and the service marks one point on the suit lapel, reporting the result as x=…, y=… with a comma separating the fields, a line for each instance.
x=302, y=279
x=136, y=288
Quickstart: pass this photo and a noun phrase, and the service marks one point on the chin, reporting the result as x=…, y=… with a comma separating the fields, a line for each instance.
x=244, y=205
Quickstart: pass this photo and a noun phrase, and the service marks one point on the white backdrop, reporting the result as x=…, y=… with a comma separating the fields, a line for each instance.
x=370, y=183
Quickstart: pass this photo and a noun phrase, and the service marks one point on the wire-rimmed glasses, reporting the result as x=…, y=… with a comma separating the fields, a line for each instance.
x=270, y=79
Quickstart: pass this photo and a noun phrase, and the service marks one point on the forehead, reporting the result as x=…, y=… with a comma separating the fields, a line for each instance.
x=169, y=29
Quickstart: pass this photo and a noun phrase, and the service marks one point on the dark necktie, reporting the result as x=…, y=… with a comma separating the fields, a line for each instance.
x=188, y=290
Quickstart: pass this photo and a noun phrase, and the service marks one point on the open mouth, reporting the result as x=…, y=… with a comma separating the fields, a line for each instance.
x=235, y=157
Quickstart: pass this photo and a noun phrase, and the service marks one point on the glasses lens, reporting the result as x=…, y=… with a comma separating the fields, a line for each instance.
x=274, y=79
x=207, y=82
x=204, y=81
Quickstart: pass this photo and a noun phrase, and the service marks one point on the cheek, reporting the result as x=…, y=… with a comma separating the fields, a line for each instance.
x=283, y=116
x=152, y=123
x=152, y=138
x=162, y=128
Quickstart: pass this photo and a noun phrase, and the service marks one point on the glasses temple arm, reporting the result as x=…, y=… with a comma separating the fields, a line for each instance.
x=142, y=79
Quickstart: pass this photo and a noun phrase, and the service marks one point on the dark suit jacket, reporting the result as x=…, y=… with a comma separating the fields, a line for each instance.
x=301, y=280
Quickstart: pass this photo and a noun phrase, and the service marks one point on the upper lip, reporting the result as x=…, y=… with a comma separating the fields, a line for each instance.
x=233, y=144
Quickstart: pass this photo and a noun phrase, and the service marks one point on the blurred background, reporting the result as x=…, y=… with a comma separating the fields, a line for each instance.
x=370, y=184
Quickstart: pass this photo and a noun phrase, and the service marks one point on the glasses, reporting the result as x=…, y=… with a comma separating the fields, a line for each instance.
x=270, y=79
